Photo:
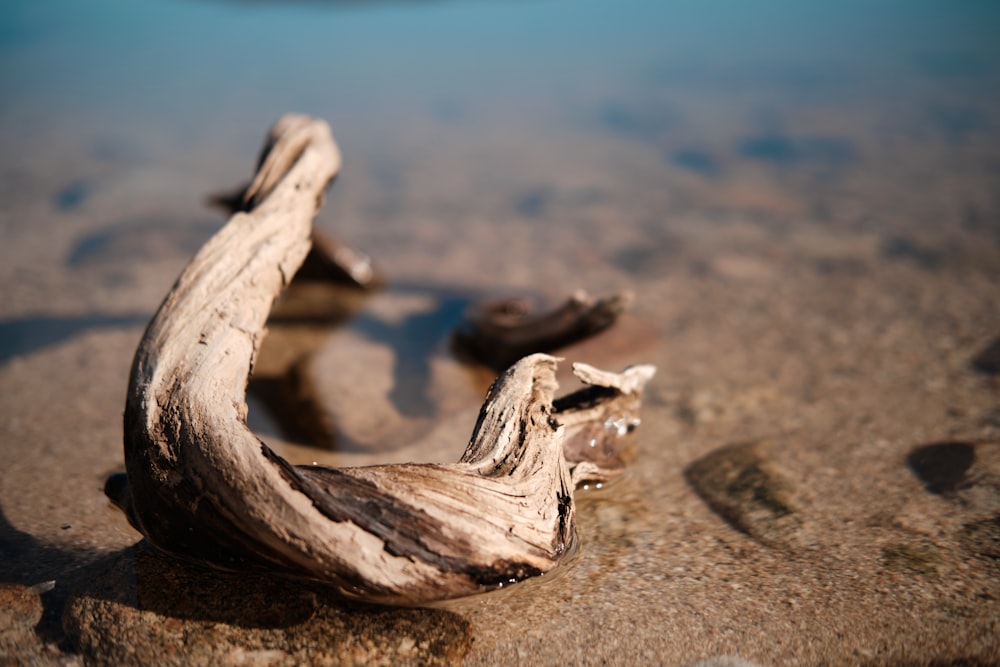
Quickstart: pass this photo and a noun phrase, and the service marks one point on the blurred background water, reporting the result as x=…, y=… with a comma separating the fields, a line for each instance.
x=182, y=60
x=696, y=84
x=123, y=74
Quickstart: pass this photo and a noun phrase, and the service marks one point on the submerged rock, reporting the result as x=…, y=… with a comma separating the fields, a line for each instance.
x=746, y=487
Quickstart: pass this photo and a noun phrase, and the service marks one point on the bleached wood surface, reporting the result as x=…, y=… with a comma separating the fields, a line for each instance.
x=203, y=486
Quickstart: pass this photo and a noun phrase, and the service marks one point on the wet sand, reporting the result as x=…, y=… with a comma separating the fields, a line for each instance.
x=817, y=475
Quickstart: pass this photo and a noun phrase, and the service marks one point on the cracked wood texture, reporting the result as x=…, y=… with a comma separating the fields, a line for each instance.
x=202, y=485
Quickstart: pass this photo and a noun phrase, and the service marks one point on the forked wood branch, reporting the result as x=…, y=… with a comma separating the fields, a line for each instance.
x=203, y=486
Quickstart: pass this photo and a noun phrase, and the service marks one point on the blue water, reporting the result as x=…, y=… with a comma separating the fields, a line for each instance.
x=121, y=115
x=187, y=63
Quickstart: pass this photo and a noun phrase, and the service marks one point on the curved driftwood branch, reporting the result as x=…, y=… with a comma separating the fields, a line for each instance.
x=201, y=485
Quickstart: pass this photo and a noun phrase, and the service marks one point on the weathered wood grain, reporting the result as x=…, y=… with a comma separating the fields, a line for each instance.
x=202, y=485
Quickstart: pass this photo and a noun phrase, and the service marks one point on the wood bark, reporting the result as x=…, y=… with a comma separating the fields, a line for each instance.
x=201, y=485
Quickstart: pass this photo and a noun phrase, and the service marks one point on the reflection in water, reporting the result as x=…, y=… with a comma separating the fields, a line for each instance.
x=902, y=248
x=31, y=334
x=532, y=204
x=131, y=241
x=697, y=161
x=415, y=340
x=73, y=195
x=782, y=150
x=643, y=122
x=958, y=123
x=377, y=350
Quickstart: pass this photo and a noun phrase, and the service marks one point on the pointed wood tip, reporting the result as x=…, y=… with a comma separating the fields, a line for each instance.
x=629, y=381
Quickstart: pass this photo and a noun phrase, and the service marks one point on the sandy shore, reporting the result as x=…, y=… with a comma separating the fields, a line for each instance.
x=817, y=476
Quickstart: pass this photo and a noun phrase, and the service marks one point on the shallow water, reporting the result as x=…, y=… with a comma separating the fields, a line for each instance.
x=804, y=197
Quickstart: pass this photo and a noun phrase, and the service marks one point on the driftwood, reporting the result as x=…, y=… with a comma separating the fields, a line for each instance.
x=201, y=485
x=499, y=333
x=599, y=420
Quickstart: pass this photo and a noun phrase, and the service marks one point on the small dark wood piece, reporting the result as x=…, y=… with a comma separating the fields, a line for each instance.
x=499, y=333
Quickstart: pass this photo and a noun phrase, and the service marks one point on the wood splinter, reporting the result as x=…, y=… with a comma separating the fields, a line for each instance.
x=201, y=485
